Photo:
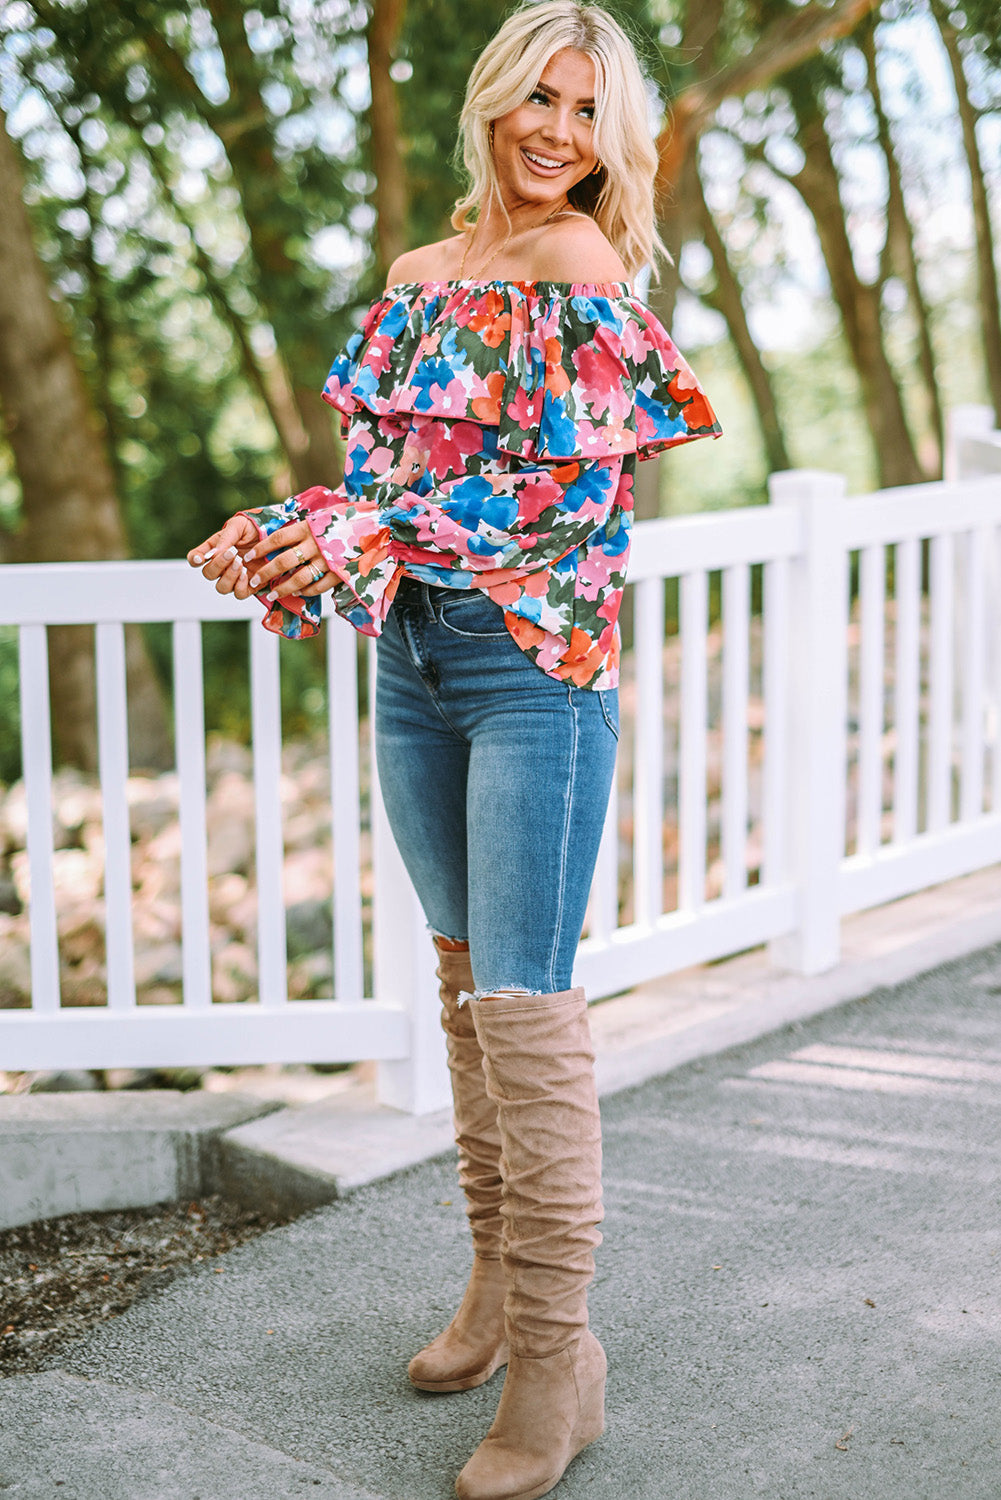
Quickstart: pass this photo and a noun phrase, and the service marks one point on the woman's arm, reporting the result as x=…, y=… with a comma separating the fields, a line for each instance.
x=515, y=523
x=523, y=519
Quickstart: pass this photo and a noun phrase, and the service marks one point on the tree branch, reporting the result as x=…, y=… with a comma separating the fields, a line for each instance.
x=784, y=45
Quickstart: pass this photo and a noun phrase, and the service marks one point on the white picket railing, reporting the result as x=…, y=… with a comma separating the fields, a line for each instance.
x=805, y=790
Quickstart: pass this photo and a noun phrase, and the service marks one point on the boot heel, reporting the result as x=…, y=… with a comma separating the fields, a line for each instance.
x=590, y=1422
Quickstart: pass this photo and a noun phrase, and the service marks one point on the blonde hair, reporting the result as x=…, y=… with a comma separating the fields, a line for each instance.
x=619, y=196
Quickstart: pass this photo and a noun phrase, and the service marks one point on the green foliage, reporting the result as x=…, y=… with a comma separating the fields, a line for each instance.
x=979, y=22
x=10, y=708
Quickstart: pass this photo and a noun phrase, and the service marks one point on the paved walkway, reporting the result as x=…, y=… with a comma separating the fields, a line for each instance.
x=798, y=1291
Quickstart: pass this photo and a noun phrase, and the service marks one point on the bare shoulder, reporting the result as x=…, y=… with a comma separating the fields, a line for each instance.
x=427, y=262
x=575, y=249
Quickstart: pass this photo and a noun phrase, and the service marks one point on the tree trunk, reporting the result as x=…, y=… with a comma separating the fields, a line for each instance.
x=70, y=506
x=680, y=221
x=390, y=196
x=987, y=278
x=901, y=253
x=728, y=301
x=242, y=126
x=859, y=304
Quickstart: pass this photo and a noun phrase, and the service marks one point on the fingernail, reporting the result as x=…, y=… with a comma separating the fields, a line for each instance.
x=254, y=581
x=230, y=552
x=271, y=594
x=206, y=555
x=198, y=558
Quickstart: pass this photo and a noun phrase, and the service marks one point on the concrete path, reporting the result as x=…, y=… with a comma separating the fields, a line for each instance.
x=798, y=1291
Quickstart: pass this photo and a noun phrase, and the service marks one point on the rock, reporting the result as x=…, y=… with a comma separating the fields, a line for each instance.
x=311, y=978
x=223, y=755
x=162, y=963
x=66, y=1081
x=77, y=808
x=307, y=827
x=86, y=985
x=308, y=926
x=15, y=975
x=308, y=875
x=153, y=803
x=230, y=818
x=157, y=994
x=81, y=933
x=10, y=901
x=155, y=920
x=153, y=1078
x=156, y=866
x=14, y=818
x=184, y=1079
x=234, y=973
x=227, y=893
x=117, y=1079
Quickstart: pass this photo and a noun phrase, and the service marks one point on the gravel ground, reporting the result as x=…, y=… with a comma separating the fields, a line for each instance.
x=60, y=1277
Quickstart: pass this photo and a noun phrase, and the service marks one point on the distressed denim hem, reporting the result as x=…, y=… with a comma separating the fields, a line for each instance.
x=502, y=991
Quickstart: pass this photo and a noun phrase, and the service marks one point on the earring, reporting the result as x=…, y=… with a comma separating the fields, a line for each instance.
x=491, y=132
x=599, y=166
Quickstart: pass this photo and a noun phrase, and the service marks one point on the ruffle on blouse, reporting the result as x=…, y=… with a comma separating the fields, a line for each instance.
x=562, y=370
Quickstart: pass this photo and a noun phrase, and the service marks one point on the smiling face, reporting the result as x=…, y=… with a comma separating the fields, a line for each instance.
x=545, y=146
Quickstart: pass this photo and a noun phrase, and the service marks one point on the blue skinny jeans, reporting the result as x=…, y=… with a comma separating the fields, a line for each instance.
x=495, y=779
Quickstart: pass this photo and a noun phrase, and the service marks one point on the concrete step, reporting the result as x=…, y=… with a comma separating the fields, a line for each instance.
x=81, y=1153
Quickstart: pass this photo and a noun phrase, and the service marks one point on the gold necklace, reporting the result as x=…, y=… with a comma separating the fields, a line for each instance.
x=502, y=246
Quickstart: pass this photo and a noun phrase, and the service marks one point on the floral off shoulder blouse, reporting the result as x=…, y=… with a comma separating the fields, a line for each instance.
x=492, y=432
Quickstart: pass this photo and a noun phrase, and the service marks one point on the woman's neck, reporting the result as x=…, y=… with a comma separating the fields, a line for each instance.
x=492, y=225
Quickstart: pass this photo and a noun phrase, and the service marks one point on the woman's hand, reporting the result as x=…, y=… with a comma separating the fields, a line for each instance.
x=230, y=559
x=221, y=555
x=296, y=568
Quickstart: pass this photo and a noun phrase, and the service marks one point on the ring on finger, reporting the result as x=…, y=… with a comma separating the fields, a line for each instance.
x=300, y=555
x=316, y=572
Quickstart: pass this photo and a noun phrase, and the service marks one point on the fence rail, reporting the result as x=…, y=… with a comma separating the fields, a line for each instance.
x=811, y=725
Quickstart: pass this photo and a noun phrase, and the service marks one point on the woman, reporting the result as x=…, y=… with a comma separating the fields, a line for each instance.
x=481, y=532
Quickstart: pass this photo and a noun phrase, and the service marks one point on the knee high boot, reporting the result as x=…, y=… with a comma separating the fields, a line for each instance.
x=473, y=1345
x=540, y=1071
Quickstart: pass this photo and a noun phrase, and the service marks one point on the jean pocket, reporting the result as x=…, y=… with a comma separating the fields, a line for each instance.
x=471, y=613
x=609, y=701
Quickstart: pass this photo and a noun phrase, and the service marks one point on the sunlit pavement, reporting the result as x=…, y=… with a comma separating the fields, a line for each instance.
x=798, y=1292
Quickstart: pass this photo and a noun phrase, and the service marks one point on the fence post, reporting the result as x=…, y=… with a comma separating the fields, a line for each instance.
x=403, y=965
x=817, y=662
x=962, y=423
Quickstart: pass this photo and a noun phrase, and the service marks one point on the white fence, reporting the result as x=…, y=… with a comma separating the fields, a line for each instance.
x=786, y=759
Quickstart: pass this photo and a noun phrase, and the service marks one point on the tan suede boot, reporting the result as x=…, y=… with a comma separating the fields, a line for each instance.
x=474, y=1344
x=540, y=1071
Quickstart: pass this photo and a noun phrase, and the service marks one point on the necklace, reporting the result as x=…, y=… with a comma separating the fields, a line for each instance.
x=502, y=246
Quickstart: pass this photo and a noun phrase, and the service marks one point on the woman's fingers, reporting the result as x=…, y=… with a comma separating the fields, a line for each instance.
x=216, y=553
x=200, y=555
x=300, y=581
x=290, y=560
x=321, y=586
x=232, y=573
x=295, y=534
